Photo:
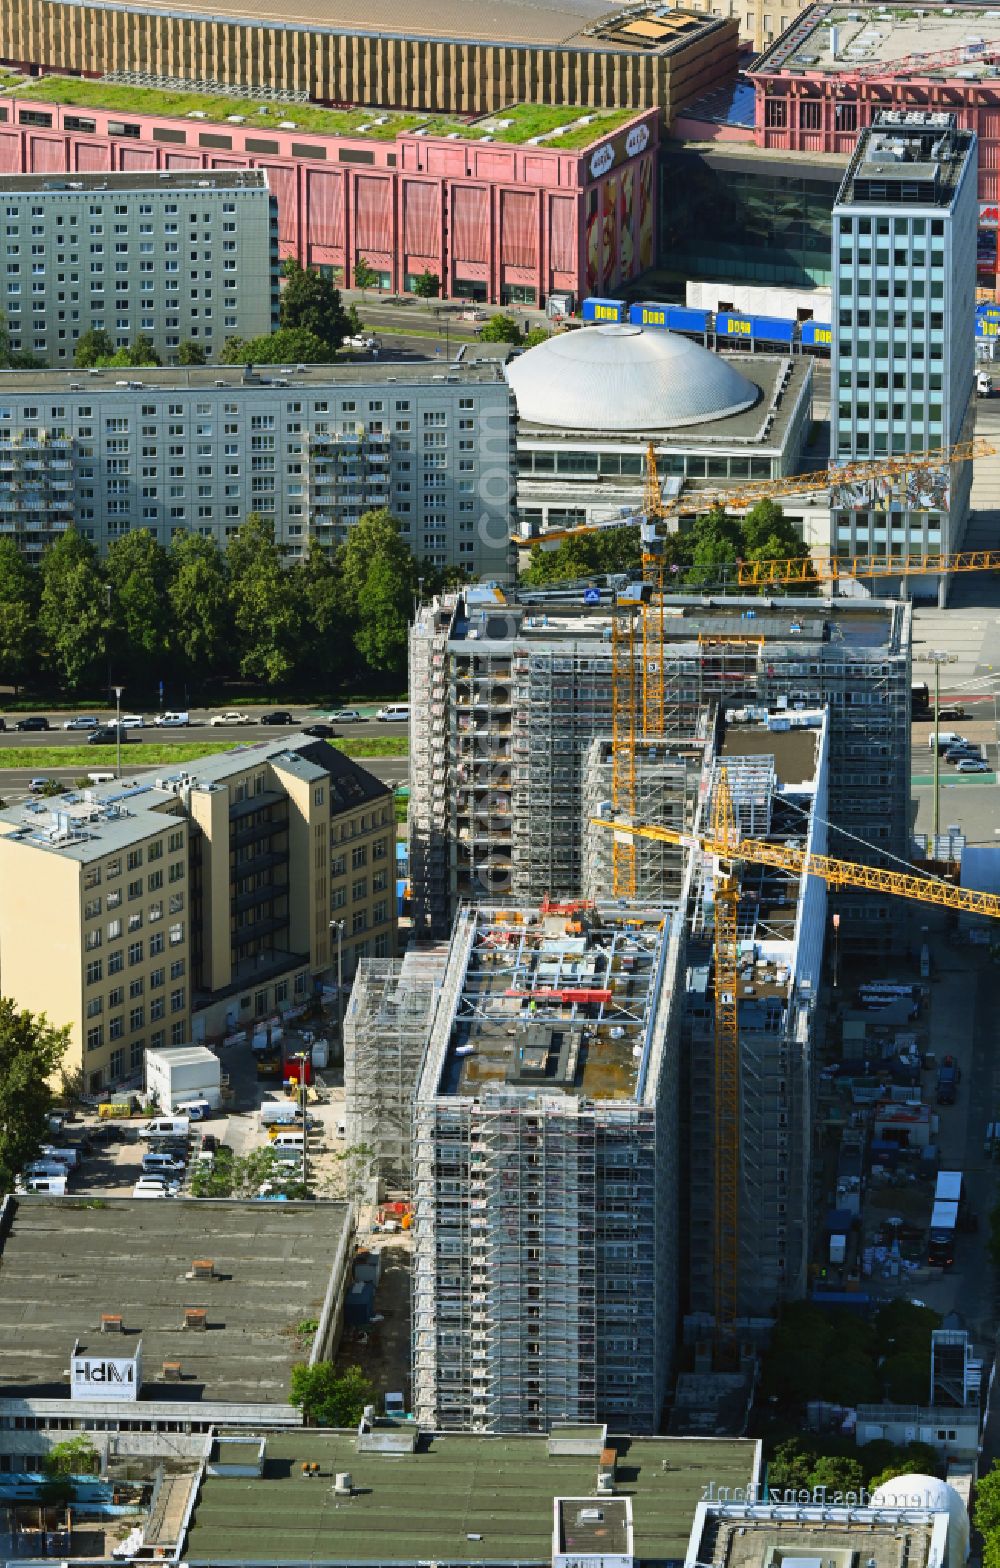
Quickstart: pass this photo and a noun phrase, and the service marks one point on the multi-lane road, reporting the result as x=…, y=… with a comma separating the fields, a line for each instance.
x=14, y=781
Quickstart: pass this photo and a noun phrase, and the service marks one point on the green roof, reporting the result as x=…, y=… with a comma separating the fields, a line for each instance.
x=526, y=120
x=424, y=1506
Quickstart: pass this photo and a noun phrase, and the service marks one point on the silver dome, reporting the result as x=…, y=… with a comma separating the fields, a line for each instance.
x=625, y=378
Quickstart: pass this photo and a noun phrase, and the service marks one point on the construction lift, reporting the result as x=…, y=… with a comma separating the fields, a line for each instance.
x=728, y=850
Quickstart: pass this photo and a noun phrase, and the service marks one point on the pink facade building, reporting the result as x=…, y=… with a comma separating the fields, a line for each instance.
x=497, y=222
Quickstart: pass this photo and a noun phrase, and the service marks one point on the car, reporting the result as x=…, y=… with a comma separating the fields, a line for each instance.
x=278, y=716
x=346, y=716
x=34, y=721
x=130, y=721
x=82, y=721
x=231, y=716
x=973, y=765
x=962, y=753
x=109, y=735
x=394, y=713
x=3, y=725
x=37, y=786
x=172, y=720
x=321, y=731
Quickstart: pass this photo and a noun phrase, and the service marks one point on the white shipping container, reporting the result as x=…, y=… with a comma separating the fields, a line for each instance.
x=183, y=1072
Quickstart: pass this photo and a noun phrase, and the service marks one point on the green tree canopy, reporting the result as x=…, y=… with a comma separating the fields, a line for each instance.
x=199, y=602
x=326, y=631
x=18, y=612
x=365, y=276
x=72, y=617
x=289, y=346
x=190, y=353
x=312, y=303
x=31, y=1053
x=535, y=336
x=327, y=1397
x=261, y=598
x=585, y=555
x=500, y=329
x=427, y=285
x=93, y=347
x=137, y=570
x=379, y=579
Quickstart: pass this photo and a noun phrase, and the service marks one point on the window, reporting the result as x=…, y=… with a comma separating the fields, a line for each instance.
x=134, y=859
x=95, y=1037
x=94, y=971
x=177, y=999
x=135, y=953
x=359, y=856
x=175, y=841
x=176, y=873
x=136, y=1019
x=157, y=979
x=775, y=113
x=116, y=962
x=176, y=933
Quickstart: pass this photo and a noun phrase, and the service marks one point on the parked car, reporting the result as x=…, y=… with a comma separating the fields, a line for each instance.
x=34, y=721
x=171, y=720
x=130, y=721
x=81, y=721
x=321, y=731
x=394, y=713
x=278, y=716
x=36, y=786
x=962, y=753
x=346, y=716
x=972, y=765
x=231, y=716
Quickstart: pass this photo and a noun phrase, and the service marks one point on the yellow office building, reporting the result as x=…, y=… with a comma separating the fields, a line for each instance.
x=183, y=905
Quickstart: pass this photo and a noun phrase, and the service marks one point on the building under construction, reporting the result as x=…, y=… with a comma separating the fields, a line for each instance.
x=776, y=774
x=386, y=1026
x=546, y=1171
x=508, y=697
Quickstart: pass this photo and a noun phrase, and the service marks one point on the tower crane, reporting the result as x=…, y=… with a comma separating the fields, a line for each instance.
x=728, y=849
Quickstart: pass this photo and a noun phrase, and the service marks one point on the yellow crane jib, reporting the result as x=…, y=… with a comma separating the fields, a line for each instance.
x=838, y=873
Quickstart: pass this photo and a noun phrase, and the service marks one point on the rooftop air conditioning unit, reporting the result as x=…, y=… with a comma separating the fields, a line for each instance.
x=171, y=1372
x=342, y=1483
x=111, y=1323
x=201, y=1268
x=196, y=1318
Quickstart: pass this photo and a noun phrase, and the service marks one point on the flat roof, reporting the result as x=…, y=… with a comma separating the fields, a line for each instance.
x=786, y=624
x=65, y=1261
x=908, y=156
x=785, y=1536
x=382, y=373
x=588, y=24
x=458, y=1497
x=764, y=426
x=896, y=37
x=557, y=1003
x=563, y=127
x=167, y=182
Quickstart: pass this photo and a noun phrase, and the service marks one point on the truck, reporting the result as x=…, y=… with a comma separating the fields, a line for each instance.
x=948, y=1079
x=946, y=738
x=950, y=1187
x=278, y=1113
x=941, y=1236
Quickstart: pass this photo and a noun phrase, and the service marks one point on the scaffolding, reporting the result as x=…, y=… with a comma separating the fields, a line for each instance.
x=386, y=1028
x=666, y=778
x=545, y=1173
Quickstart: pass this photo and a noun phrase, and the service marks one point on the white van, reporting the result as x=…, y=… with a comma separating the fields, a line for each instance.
x=55, y=1186
x=101, y=776
x=63, y=1156
x=166, y=1127
x=162, y=1162
x=394, y=713
x=149, y=1189
x=194, y=1110
x=45, y=1167
x=288, y=1140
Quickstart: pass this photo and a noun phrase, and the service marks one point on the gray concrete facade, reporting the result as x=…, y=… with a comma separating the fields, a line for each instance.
x=311, y=448
x=177, y=257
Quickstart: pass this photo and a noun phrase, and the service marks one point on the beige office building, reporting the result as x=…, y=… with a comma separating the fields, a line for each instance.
x=183, y=905
x=452, y=58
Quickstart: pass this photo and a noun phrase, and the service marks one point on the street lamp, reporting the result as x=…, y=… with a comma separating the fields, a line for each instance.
x=338, y=926
x=937, y=658
x=118, y=731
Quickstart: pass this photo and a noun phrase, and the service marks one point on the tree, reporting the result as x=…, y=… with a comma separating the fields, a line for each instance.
x=379, y=578
x=327, y=1397
x=72, y=616
x=427, y=286
x=31, y=1050
x=718, y=542
x=74, y=1456
x=312, y=303
x=289, y=346
x=199, y=602
x=142, y=352
x=500, y=329
x=190, y=353
x=907, y=1377
x=137, y=570
x=836, y=1473
x=535, y=336
x=261, y=599
x=18, y=610
x=326, y=633
x=92, y=347
x=986, y=1513
x=791, y=1465
x=365, y=276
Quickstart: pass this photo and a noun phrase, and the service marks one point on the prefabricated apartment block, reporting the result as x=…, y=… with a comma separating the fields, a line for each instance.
x=546, y=1172
x=507, y=699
